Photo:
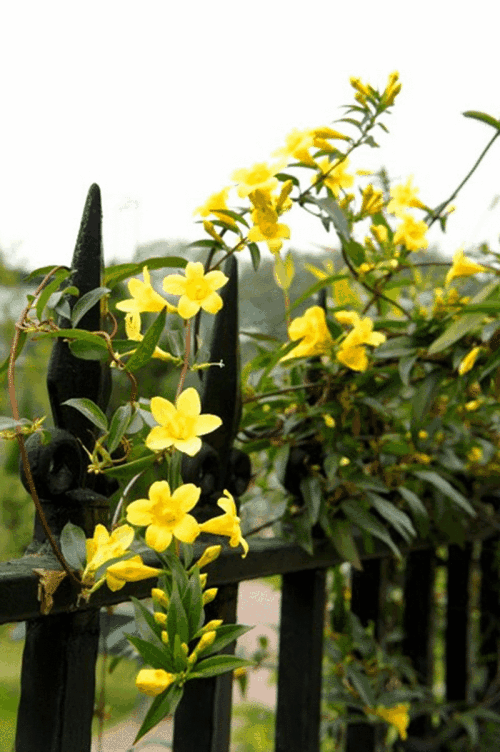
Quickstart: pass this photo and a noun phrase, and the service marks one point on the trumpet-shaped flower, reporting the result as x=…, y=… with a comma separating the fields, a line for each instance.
x=104, y=546
x=411, y=233
x=397, y=716
x=312, y=329
x=197, y=289
x=144, y=298
x=154, y=681
x=216, y=204
x=181, y=424
x=259, y=177
x=166, y=515
x=227, y=524
x=129, y=570
x=403, y=197
x=373, y=200
x=352, y=351
x=297, y=145
x=392, y=90
x=463, y=267
x=335, y=177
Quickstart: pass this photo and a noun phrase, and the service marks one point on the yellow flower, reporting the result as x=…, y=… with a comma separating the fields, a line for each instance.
x=297, y=145
x=373, y=200
x=404, y=196
x=463, y=267
x=397, y=716
x=380, y=233
x=214, y=204
x=166, y=515
x=468, y=362
x=153, y=681
x=329, y=421
x=335, y=177
x=144, y=298
x=129, y=570
x=360, y=87
x=181, y=424
x=210, y=554
x=265, y=218
x=352, y=352
x=258, y=177
x=227, y=524
x=197, y=289
x=133, y=332
x=311, y=328
x=475, y=454
x=102, y=546
x=411, y=233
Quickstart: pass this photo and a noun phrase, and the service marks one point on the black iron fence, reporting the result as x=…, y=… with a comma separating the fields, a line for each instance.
x=58, y=670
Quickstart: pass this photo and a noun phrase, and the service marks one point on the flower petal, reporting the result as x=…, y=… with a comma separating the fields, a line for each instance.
x=186, y=496
x=159, y=438
x=188, y=402
x=212, y=303
x=174, y=284
x=187, y=308
x=139, y=512
x=216, y=279
x=188, y=446
x=162, y=410
x=158, y=537
x=187, y=530
x=206, y=423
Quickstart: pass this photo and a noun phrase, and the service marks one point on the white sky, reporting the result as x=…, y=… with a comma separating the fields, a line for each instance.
x=159, y=102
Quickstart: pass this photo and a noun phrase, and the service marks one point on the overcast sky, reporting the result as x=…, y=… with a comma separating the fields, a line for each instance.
x=159, y=102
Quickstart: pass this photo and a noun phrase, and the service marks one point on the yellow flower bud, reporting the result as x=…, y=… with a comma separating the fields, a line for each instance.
x=160, y=618
x=209, y=595
x=211, y=625
x=153, y=682
x=203, y=579
x=423, y=435
x=164, y=637
x=206, y=640
x=160, y=597
x=211, y=553
x=329, y=421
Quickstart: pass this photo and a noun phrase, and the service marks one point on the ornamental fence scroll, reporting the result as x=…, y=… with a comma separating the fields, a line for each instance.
x=58, y=670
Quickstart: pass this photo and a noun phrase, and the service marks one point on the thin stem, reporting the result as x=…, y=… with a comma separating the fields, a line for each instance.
x=440, y=208
x=19, y=436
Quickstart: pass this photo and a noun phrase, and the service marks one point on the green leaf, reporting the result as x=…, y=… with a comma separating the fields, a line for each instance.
x=365, y=521
x=317, y=287
x=255, y=255
x=73, y=546
x=396, y=347
x=396, y=517
x=131, y=468
x=415, y=504
x=424, y=397
x=354, y=251
x=119, y=272
x=193, y=604
x=362, y=685
x=152, y=655
x=47, y=291
x=20, y=344
x=466, y=321
x=118, y=426
x=146, y=347
x=91, y=411
x=9, y=424
x=483, y=118
x=145, y=623
x=162, y=706
x=177, y=622
x=343, y=540
x=86, y=302
x=217, y=664
x=96, y=350
x=310, y=488
x=234, y=215
x=446, y=488
x=42, y=271
x=333, y=210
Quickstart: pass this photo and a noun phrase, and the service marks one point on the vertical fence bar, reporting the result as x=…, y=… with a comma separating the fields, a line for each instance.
x=300, y=659
x=489, y=620
x=418, y=621
x=203, y=717
x=457, y=623
x=58, y=669
x=366, y=604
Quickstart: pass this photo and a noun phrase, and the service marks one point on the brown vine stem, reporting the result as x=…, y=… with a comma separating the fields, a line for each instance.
x=19, y=436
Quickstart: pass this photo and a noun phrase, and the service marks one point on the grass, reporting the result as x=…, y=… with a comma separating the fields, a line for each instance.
x=120, y=697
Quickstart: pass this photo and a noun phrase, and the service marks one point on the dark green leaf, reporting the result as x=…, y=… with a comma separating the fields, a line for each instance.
x=424, y=397
x=20, y=344
x=152, y=655
x=255, y=255
x=343, y=540
x=42, y=271
x=118, y=426
x=146, y=347
x=192, y=602
x=217, y=664
x=177, y=622
x=86, y=302
x=317, y=287
x=464, y=323
x=396, y=517
x=119, y=272
x=446, y=488
x=162, y=706
x=483, y=118
x=362, y=685
x=226, y=634
x=310, y=488
x=365, y=521
x=96, y=350
x=47, y=291
x=73, y=546
x=145, y=623
x=91, y=411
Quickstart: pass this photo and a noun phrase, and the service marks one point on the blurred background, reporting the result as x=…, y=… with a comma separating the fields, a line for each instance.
x=159, y=102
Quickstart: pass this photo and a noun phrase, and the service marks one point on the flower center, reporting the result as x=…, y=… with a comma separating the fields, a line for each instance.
x=197, y=289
